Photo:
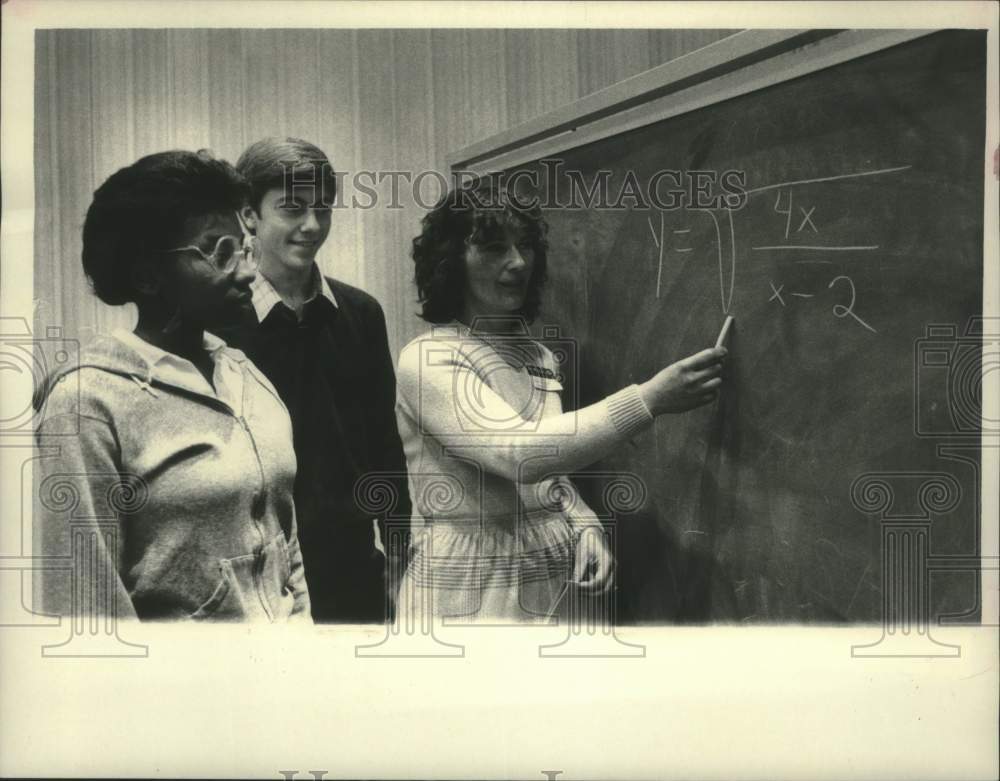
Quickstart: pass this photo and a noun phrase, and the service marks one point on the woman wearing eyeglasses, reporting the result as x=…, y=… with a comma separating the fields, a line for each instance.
x=171, y=494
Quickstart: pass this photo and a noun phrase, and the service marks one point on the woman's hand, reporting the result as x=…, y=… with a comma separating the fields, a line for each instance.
x=689, y=383
x=593, y=570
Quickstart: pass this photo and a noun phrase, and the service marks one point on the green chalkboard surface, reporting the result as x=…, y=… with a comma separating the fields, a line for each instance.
x=857, y=250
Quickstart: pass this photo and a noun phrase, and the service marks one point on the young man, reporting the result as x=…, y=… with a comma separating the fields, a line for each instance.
x=323, y=344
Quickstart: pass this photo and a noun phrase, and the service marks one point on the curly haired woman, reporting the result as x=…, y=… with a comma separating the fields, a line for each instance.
x=501, y=529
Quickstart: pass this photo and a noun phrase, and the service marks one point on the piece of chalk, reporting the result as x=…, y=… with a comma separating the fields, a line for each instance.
x=725, y=331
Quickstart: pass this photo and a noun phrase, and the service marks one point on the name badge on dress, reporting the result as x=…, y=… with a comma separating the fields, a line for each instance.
x=544, y=379
x=540, y=371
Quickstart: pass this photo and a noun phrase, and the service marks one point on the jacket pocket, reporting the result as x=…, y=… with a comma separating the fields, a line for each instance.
x=213, y=606
x=279, y=561
x=282, y=559
x=252, y=588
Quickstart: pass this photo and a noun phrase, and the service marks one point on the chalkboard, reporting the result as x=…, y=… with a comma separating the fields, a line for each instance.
x=857, y=253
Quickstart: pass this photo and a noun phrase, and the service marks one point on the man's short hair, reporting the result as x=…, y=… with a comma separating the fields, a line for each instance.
x=269, y=162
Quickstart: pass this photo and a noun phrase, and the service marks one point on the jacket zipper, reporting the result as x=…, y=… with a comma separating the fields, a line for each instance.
x=258, y=566
x=258, y=569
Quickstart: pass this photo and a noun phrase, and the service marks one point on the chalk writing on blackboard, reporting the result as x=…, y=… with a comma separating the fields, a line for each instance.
x=806, y=223
x=839, y=310
x=682, y=232
x=727, y=296
x=658, y=241
x=806, y=215
x=854, y=175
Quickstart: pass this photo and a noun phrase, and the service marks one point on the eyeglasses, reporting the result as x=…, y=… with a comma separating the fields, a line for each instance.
x=229, y=251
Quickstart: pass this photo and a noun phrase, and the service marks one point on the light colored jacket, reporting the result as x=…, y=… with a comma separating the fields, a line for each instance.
x=160, y=497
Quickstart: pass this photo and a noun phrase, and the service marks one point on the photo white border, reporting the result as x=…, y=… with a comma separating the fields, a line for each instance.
x=702, y=703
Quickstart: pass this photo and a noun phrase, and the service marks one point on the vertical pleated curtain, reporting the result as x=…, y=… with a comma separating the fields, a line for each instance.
x=375, y=100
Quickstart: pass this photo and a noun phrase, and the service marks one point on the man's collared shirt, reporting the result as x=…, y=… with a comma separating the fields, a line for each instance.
x=265, y=297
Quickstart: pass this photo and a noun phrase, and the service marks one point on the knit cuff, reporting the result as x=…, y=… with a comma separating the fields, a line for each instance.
x=628, y=412
x=579, y=525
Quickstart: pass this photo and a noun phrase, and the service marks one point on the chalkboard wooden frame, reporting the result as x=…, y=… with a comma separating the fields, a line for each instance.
x=745, y=62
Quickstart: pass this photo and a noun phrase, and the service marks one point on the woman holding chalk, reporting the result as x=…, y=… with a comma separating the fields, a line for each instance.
x=498, y=528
